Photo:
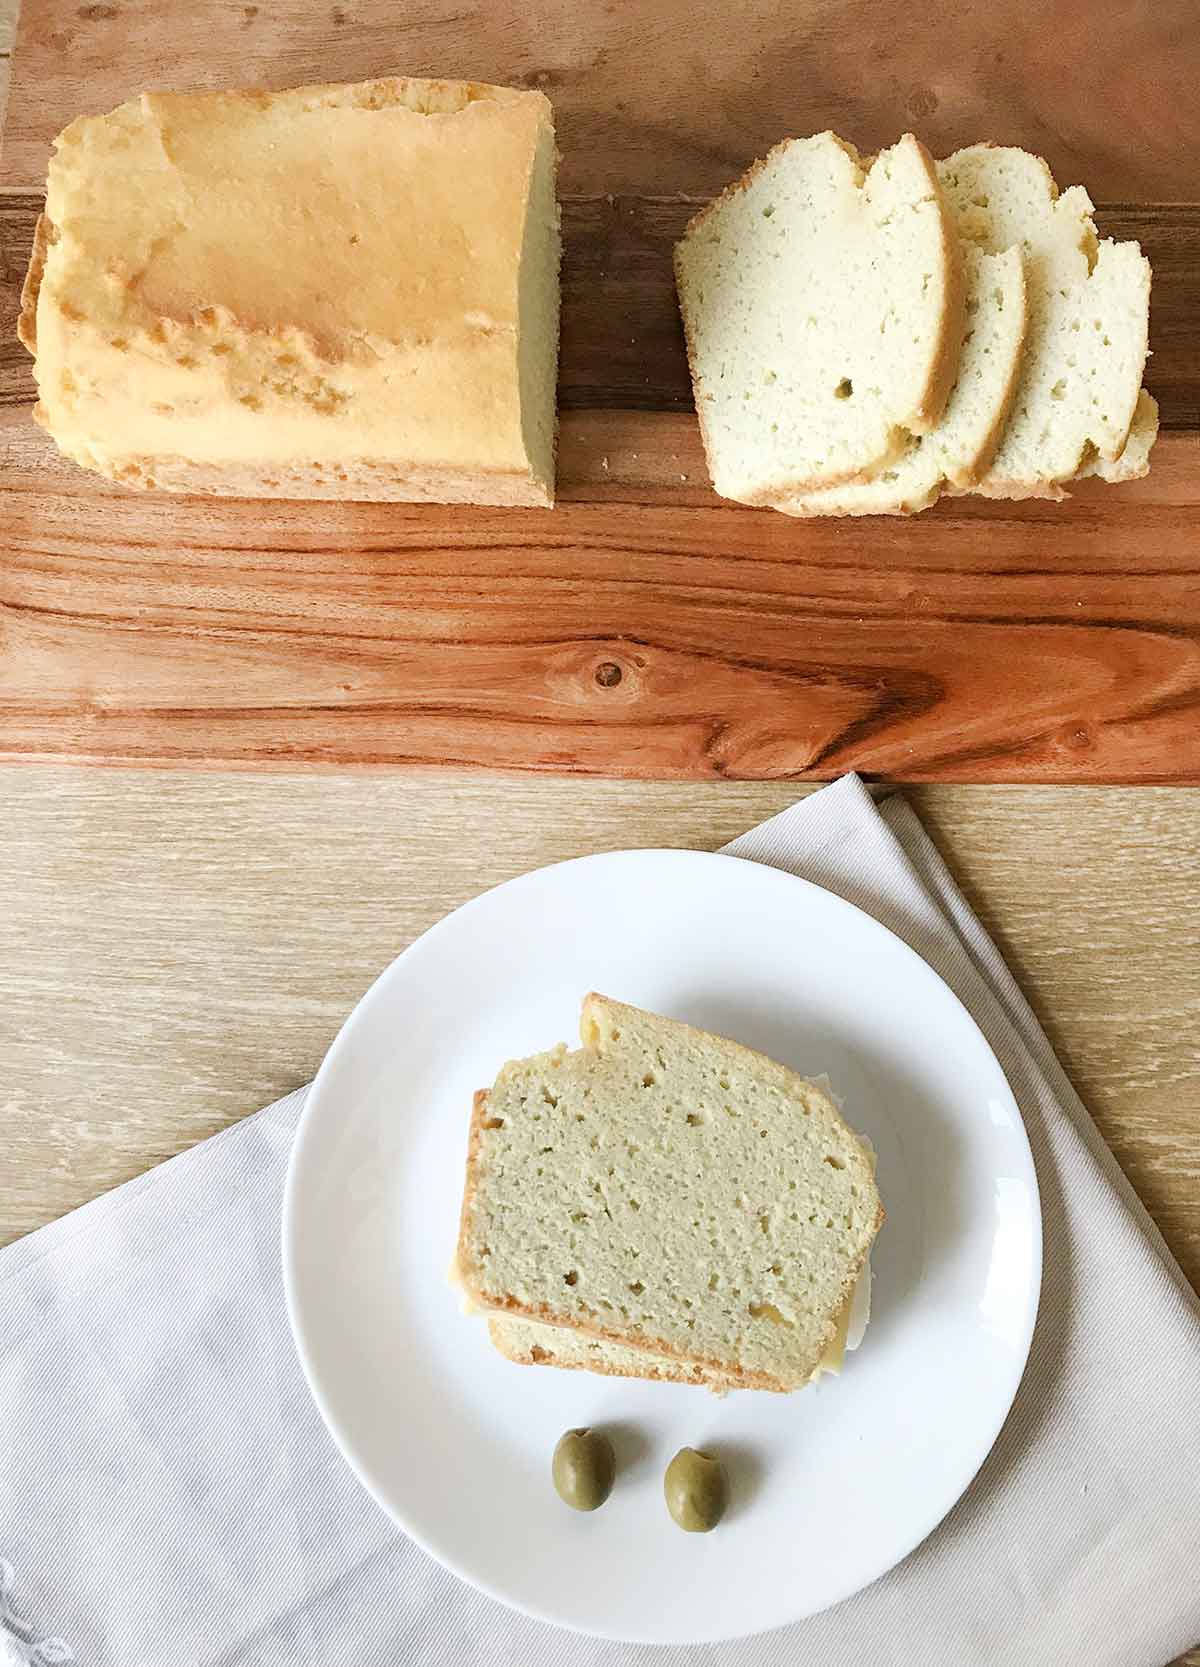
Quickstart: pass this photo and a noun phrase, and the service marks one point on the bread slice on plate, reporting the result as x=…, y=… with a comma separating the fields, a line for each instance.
x=1089, y=308
x=963, y=444
x=533, y=1343
x=822, y=301
x=670, y=1191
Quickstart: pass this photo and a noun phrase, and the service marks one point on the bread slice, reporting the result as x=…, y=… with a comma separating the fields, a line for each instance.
x=670, y=1191
x=331, y=292
x=532, y=1343
x=822, y=301
x=1089, y=307
x=963, y=444
x=1134, y=461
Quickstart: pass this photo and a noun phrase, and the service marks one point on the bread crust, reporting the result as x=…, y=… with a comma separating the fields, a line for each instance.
x=44, y=234
x=650, y=1370
x=357, y=480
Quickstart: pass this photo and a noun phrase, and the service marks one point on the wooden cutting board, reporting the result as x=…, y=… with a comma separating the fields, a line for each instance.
x=643, y=628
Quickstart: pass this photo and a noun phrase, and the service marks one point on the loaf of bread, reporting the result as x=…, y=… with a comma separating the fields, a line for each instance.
x=671, y=1192
x=822, y=302
x=342, y=291
x=1089, y=311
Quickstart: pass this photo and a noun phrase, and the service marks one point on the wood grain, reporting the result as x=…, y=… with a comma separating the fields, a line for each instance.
x=653, y=97
x=644, y=628
x=180, y=949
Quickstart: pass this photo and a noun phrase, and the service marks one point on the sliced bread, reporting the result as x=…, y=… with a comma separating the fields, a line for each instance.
x=532, y=1343
x=1134, y=461
x=822, y=302
x=1088, y=319
x=670, y=1191
x=963, y=444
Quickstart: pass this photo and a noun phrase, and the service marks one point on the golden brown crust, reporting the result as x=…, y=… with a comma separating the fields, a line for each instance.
x=474, y=1140
x=429, y=96
x=1014, y=490
x=944, y=370
x=30, y=290
x=652, y=1371
x=737, y=1376
x=805, y=510
x=359, y=480
x=689, y=347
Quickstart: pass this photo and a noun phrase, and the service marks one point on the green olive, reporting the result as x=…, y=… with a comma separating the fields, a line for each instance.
x=583, y=1469
x=696, y=1489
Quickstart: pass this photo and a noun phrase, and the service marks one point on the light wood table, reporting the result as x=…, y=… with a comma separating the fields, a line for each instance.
x=180, y=948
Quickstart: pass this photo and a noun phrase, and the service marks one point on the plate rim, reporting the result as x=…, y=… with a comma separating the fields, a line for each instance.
x=293, y=1184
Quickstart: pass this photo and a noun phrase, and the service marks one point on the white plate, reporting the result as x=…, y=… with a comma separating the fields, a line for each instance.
x=832, y=1486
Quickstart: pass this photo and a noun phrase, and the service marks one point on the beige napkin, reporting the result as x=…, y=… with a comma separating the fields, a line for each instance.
x=169, y=1498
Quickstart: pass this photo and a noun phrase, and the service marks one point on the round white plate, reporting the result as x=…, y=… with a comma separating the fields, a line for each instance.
x=831, y=1486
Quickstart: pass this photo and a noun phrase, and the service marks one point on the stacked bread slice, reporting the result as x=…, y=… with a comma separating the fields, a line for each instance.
x=664, y=1203
x=866, y=335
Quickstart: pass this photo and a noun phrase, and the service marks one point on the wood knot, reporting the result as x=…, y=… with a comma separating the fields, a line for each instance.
x=608, y=674
x=922, y=102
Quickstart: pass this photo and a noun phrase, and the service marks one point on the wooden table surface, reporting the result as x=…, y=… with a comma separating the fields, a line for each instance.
x=645, y=627
x=180, y=948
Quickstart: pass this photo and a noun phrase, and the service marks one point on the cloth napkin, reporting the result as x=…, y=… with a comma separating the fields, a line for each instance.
x=169, y=1497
